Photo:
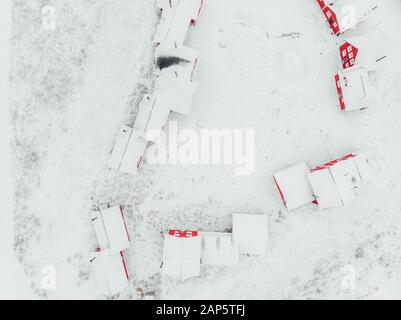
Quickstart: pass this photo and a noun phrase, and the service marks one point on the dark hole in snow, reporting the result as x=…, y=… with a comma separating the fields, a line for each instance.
x=166, y=62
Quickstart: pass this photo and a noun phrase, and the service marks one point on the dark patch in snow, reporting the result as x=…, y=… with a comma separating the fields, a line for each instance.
x=166, y=62
x=359, y=253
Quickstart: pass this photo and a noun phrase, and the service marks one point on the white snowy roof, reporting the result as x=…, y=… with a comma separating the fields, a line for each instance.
x=343, y=15
x=111, y=230
x=347, y=178
x=325, y=189
x=163, y=28
x=182, y=256
x=177, y=61
x=250, y=233
x=367, y=50
x=362, y=163
x=219, y=249
x=336, y=183
x=355, y=88
x=294, y=187
x=176, y=93
x=110, y=272
x=128, y=150
x=175, y=20
x=152, y=119
x=331, y=185
x=170, y=94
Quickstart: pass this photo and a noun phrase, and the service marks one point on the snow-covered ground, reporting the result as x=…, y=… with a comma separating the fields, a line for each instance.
x=14, y=283
x=74, y=86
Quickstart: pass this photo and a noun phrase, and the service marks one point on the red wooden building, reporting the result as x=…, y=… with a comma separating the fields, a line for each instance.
x=339, y=15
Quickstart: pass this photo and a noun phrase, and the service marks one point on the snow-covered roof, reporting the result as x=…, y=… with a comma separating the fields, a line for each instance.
x=128, y=150
x=363, y=50
x=294, y=187
x=325, y=189
x=177, y=61
x=152, y=117
x=110, y=271
x=343, y=15
x=176, y=19
x=171, y=94
x=330, y=185
x=145, y=109
x=336, y=183
x=354, y=88
x=166, y=20
x=182, y=256
x=111, y=230
x=219, y=249
x=347, y=179
x=175, y=92
x=361, y=161
x=250, y=232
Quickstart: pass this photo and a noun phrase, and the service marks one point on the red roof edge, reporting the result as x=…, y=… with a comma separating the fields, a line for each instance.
x=333, y=162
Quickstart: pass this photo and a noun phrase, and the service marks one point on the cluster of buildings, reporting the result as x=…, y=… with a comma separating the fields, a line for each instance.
x=174, y=90
x=185, y=251
x=359, y=55
x=337, y=182
x=329, y=185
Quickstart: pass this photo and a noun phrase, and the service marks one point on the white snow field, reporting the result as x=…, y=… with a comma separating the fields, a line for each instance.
x=14, y=283
x=263, y=65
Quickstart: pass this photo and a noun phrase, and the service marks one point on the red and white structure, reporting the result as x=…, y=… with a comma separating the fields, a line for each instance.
x=362, y=50
x=173, y=93
x=182, y=254
x=294, y=187
x=176, y=17
x=110, y=271
x=111, y=229
x=330, y=185
x=336, y=183
x=355, y=90
x=108, y=260
x=250, y=232
x=185, y=251
x=219, y=249
x=343, y=15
